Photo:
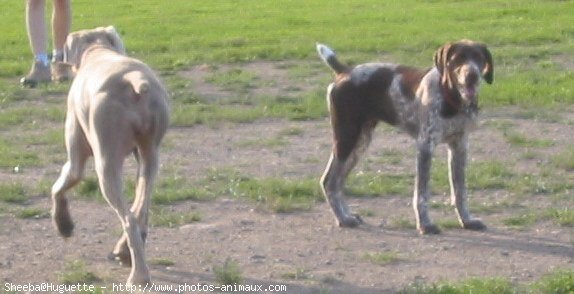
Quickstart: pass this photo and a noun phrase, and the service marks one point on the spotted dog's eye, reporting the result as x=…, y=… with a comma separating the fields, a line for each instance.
x=455, y=59
x=478, y=57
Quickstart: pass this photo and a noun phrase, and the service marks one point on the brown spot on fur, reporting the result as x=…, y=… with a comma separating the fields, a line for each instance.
x=357, y=105
x=411, y=79
x=339, y=78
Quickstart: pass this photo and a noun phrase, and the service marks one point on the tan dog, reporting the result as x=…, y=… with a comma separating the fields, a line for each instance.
x=116, y=106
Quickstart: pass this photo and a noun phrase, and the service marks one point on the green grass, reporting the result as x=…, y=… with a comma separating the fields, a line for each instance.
x=298, y=274
x=402, y=223
x=89, y=188
x=266, y=142
x=305, y=107
x=382, y=258
x=167, y=190
x=29, y=116
x=449, y=223
x=548, y=114
x=161, y=262
x=175, y=188
x=394, y=157
x=32, y=212
x=549, y=180
x=53, y=138
x=13, y=154
x=75, y=272
x=519, y=140
x=521, y=220
x=481, y=175
x=275, y=194
x=489, y=175
x=14, y=193
x=278, y=195
x=528, y=217
x=565, y=159
x=556, y=282
x=292, y=132
x=562, y=216
x=281, y=139
x=380, y=183
x=560, y=282
x=530, y=154
x=163, y=217
x=366, y=212
x=194, y=114
x=235, y=80
x=494, y=206
x=471, y=286
x=228, y=273
x=527, y=44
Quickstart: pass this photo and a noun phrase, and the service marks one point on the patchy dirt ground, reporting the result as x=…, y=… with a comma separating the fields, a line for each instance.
x=305, y=250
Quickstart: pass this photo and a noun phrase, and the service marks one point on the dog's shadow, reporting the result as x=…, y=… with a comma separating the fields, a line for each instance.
x=496, y=238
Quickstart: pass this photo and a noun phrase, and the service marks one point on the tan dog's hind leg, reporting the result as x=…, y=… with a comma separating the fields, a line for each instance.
x=72, y=172
x=111, y=138
x=147, y=170
x=149, y=163
x=109, y=170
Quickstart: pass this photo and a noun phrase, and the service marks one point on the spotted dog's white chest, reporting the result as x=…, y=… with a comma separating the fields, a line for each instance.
x=446, y=130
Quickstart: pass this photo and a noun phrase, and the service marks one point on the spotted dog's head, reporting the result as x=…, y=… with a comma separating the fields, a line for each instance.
x=78, y=42
x=461, y=64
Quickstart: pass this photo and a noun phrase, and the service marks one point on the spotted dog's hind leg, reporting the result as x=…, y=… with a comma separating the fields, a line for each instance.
x=340, y=164
x=332, y=184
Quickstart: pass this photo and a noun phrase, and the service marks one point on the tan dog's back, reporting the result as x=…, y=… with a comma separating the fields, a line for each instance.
x=125, y=87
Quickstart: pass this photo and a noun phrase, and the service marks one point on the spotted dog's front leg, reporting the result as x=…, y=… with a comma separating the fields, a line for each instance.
x=457, y=155
x=422, y=188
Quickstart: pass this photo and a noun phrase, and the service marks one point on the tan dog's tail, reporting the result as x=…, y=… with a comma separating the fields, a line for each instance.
x=138, y=81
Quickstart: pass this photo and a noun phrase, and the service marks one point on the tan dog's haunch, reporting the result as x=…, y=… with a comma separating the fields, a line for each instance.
x=435, y=105
x=116, y=106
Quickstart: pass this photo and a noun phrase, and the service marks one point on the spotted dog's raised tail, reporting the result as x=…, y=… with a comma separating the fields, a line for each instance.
x=330, y=58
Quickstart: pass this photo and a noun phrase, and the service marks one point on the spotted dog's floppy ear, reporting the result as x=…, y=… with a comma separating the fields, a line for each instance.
x=440, y=60
x=488, y=70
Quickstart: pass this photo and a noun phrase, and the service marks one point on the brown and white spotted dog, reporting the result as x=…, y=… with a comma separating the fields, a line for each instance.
x=436, y=105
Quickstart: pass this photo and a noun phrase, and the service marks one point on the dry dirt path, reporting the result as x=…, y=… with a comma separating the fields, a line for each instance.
x=304, y=250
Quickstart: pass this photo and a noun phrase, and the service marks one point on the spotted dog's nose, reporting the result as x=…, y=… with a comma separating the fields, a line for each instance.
x=472, y=78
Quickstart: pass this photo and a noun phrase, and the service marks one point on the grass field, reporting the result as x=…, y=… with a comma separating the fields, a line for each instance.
x=533, y=44
x=533, y=48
